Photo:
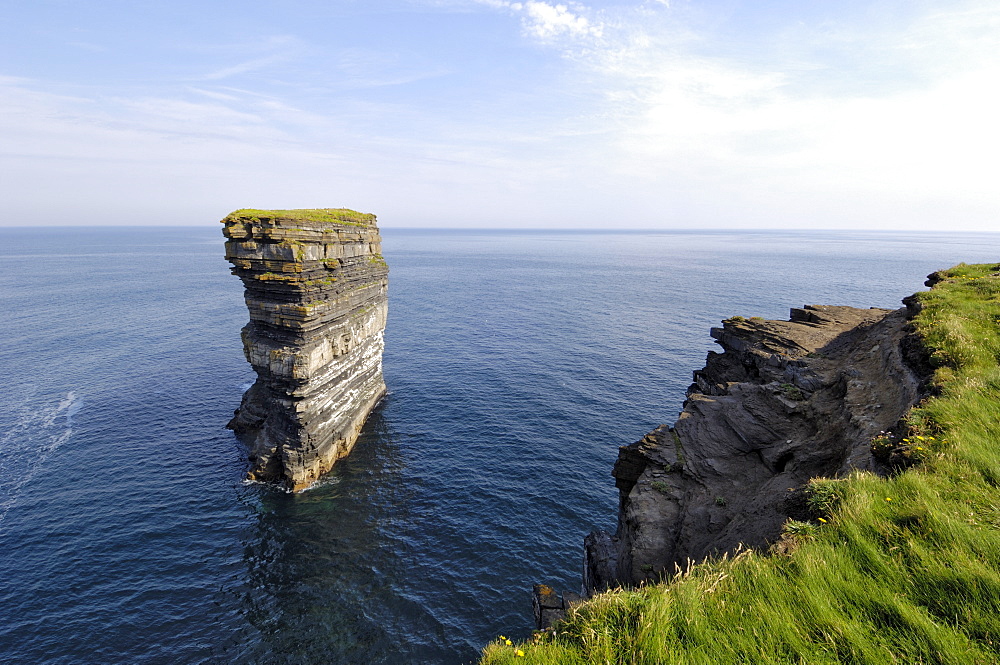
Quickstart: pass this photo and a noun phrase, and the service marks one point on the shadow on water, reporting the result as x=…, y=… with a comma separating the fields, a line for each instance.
x=325, y=571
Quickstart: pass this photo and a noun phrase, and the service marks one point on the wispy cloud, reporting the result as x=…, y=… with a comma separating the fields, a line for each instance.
x=628, y=110
x=89, y=46
x=214, y=94
x=368, y=68
x=879, y=118
x=251, y=65
x=153, y=158
x=271, y=51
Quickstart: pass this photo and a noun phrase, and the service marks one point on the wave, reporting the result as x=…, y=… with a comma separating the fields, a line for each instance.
x=28, y=443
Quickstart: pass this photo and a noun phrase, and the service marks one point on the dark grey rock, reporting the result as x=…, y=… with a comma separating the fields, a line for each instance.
x=785, y=402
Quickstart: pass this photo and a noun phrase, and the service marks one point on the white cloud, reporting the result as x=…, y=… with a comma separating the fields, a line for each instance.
x=794, y=131
x=548, y=22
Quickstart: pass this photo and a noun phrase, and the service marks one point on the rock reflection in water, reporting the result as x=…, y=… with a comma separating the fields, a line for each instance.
x=324, y=573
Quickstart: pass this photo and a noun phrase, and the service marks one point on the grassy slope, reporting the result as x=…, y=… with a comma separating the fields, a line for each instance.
x=903, y=570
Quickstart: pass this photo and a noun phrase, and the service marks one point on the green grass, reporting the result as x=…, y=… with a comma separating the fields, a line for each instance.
x=900, y=570
x=340, y=216
x=792, y=392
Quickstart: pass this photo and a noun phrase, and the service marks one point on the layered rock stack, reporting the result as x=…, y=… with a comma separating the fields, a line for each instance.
x=316, y=287
x=787, y=401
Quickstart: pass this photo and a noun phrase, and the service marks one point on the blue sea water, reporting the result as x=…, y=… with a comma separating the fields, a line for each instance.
x=517, y=363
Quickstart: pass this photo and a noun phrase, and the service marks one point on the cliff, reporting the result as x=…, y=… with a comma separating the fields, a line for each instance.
x=316, y=287
x=893, y=557
x=785, y=402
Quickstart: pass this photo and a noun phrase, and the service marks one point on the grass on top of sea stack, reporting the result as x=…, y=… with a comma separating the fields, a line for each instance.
x=904, y=569
x=322, y=215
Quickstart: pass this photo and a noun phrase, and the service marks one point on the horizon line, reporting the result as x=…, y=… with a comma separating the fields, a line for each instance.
x=531, y=229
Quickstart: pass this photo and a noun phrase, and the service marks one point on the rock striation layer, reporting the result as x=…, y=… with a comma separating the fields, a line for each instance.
x=785, y=402
x=316, y=287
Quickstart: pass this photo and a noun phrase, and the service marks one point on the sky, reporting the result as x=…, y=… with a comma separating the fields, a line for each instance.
x=685, y=114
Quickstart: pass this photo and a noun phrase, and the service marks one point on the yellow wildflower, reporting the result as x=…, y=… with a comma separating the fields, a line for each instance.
x=519, y=653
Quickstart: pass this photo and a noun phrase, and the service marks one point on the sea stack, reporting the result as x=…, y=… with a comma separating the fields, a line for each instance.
x=316, y=287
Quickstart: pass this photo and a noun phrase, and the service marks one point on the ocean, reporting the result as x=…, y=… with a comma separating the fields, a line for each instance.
x=517, y=363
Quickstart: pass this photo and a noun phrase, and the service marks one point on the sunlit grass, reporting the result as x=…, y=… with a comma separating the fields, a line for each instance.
x=325, y=215
x=900, y=570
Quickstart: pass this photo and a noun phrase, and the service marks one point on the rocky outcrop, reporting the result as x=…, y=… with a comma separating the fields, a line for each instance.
x=549, y=607
x=316, y=288
x=785, y=402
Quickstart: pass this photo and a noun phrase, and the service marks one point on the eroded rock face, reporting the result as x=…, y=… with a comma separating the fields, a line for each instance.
x=316, y=287
x=787, y=401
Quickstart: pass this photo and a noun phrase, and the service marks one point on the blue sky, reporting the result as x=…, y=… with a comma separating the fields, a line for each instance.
x=499, y=113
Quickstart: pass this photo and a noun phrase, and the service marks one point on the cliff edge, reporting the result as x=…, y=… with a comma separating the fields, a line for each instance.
x=316, y=288
x=785, y=402
x=893, y=556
